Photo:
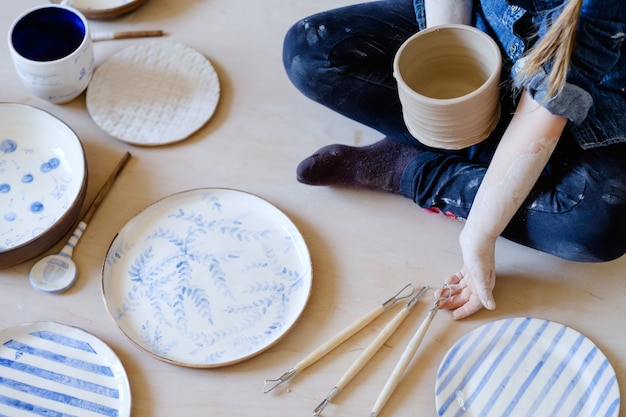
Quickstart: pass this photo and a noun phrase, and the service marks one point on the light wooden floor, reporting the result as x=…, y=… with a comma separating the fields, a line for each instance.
x=364, y=245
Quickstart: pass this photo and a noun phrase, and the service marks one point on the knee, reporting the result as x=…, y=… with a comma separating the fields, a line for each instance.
x=606, y=237
x=599, y=239
x=587, y=223
x=303, y=55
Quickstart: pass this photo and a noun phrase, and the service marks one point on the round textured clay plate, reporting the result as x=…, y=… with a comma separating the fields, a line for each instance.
x=153, y=93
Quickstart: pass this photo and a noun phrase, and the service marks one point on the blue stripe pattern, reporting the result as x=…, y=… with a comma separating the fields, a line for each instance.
x=48, y=373
x=526, y=367
x=62, y=359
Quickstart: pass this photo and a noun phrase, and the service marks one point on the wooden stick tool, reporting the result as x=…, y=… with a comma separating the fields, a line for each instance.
x=408, y=354
x=110, y=36
x=339, y=338
x=369, y=352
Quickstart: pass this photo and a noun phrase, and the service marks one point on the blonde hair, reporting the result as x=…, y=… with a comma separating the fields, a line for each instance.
x=556, y=48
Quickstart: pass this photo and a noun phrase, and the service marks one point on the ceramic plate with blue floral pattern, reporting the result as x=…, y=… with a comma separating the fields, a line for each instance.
x=51, y=369
x=207, y=277
x=526, y=367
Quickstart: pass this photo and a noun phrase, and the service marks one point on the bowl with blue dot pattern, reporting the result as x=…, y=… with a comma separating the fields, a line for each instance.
x=43, y=180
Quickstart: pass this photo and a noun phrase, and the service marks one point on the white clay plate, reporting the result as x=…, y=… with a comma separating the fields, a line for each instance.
x=42, y=177
x=526, y=367
x=51, y=369
x=207, y=277
x=153, y=93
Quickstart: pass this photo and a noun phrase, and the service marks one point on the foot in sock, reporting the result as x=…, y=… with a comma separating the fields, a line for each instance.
x=375, y=167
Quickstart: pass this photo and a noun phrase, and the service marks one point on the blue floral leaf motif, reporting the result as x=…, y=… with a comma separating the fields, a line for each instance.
x=136, y=270
x=212, y=201
x=249, y=343
x=191, y=217
x=235, y=228
x=201, y=303
x=168, y=235
x=214, y=357
x=218, y=276
x=273, y=328
x=118, y=251
x=184, y=271
x=265, y=286
x=289, y=243
x=269, y=252
x=153, y=337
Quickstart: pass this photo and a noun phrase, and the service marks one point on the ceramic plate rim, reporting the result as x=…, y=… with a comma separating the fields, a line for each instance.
x=121, y=377
x=191, y=364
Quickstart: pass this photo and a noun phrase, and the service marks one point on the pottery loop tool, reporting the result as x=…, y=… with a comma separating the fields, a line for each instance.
x=339, y=338
x=409, y=352
x=56, y=273
x=369, y=352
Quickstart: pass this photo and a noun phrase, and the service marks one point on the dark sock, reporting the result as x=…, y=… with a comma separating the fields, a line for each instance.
x=376, y=167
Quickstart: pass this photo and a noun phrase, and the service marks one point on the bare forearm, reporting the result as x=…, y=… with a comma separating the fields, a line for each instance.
x=519, y=160
x=439, y=12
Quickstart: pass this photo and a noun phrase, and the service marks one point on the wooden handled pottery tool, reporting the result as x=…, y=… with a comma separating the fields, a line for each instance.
x=110, y=36
x=405, y=359
x=339, y=338
x=56, y=273
x=369, y=352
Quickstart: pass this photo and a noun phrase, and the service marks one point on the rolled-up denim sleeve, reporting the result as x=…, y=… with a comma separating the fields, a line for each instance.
x=573, y=102
x=599, y=43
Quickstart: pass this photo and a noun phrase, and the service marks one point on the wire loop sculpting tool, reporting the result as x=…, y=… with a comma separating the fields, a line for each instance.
x=339, y=338
x=367, y=354
x=407, y=355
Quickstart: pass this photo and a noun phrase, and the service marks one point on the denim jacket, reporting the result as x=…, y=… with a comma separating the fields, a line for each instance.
x=594, y=97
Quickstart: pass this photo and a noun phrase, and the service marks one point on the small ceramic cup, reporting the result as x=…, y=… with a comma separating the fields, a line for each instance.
x=52, y=51
x=448, y=84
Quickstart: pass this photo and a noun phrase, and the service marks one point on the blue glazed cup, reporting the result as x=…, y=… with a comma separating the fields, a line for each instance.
x=52, y=52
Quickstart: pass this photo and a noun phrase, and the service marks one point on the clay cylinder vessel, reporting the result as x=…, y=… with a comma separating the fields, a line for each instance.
x=448, y=83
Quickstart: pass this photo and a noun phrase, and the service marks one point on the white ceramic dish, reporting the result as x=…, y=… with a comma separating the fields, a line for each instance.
x=43, y=179
x=207, y=277
x=49, y=368
x=526, y=367
x=104, y=9
x=153, y=93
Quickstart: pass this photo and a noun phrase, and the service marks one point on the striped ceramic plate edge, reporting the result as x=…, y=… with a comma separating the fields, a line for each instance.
x=526, y=367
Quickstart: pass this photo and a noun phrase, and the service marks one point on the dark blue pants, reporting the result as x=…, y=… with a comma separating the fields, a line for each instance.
x=343, y=59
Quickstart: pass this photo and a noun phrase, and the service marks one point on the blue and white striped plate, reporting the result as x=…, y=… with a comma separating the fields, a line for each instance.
x=50, y=369
x=526, y=367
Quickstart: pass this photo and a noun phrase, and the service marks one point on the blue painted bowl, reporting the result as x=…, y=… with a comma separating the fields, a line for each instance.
x=43, y=181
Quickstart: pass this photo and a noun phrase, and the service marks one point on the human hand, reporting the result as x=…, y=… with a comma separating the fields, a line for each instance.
x=470, y=289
